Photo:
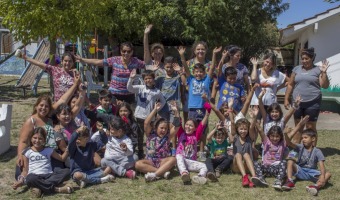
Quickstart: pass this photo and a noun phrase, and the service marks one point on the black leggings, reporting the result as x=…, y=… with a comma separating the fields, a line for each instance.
x=278, y=171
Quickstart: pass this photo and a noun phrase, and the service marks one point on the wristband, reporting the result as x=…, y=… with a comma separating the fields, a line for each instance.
x=176, y=122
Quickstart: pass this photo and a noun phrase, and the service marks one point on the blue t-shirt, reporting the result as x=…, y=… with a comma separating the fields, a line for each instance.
x=196, y=89
x=218, y=149
x=231, y=91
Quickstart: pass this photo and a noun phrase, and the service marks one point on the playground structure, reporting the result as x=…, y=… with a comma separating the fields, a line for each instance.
x=5, y=127
x=32, y=74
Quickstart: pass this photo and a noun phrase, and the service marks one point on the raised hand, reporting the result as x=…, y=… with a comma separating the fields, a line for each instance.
x=225, y=53
x=324, y=66
x=297, y=101
x=158, y=106
x=303, y=121
x=78, y=58
x=230, y=103
x=262, y=93
x=176, y=67
x=155, y=66
x=255, y=110
x=217, y=49
x=148, y=28
x=181, y=50
x=205, y=97
x=173, y=105
x=99, y=126
x=256, y=85
x=254, y=61
x=133, y=73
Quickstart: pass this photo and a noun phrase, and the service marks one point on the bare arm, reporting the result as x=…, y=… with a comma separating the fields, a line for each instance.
x=323, y=78
x=211, y=134
x=62, y=157
x=245, y=107
x=79, y=103
x=322, y=180
x=253, y=76
x=261, y=106
x=220, y=64
x=148, y=120
x=181, y=51
x=23, y=143
x=176, y=123
x=213, y=63
x=41, y=65
x=289, y=90
x=147, y=55
x=95, y=62
x=284, y=84
x=292, y=109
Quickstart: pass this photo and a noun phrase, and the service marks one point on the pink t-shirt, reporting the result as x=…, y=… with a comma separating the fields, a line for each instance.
x=62, y=80
x=187, y=144
x=272, y=153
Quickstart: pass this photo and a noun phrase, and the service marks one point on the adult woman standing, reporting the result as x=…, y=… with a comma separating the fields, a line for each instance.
x=121, y=69
x=269, y=78
x=153, y=61
x=40, y=118
x=62, y=76
x=307, y=80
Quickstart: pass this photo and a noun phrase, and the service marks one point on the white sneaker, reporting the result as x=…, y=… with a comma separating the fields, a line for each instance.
x=167, y=175
x=150, y=176
x=199, y=180
x=82, y=184
x=107, y=178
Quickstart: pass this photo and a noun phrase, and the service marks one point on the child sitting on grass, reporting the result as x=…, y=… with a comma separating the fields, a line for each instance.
x=119, y=150
x=305, y=168
x=37, y=172
x=82, y=164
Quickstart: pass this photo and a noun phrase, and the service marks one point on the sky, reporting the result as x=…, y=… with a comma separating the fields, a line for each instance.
x=302, y=9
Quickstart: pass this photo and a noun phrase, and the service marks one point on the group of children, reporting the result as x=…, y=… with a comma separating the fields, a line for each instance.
x=111, y=143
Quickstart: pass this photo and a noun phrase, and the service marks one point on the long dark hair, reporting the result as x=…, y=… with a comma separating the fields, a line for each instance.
x=39, y=130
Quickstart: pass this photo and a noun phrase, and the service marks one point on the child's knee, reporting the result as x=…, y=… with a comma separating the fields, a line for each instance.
x=78, y=176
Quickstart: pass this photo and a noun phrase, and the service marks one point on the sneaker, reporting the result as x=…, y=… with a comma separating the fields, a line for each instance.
x=185, y=177
x=251, y=184
x=211, y=176
x=166, y=175
x=107, y=178
x=36, y=192
x=288, y=185
x=260, y=182
x=245, y=180
x=312, y=189
x=199, y=180
x=82, y=184
x=149, y=177
x=277, y=184
x=65, y=189
x=218, y=173
x=131, y=174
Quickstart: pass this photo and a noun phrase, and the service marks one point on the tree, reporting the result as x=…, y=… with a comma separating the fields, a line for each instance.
x=247, y=23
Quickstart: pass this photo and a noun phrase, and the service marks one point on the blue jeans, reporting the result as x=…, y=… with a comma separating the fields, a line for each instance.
x=93, y=176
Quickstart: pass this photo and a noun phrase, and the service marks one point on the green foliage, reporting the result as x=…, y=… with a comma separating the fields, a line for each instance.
x=247, y=23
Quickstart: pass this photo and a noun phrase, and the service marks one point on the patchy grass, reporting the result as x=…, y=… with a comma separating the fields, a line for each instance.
x=229, y=185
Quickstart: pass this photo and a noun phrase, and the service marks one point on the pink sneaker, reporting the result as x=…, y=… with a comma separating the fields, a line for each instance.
x=131, y=174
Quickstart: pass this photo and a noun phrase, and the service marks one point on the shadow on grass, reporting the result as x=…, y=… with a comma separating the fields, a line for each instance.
x=9, y=155
x=329, y=151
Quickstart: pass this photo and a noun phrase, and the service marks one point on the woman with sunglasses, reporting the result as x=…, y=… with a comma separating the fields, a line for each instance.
x=121, y=69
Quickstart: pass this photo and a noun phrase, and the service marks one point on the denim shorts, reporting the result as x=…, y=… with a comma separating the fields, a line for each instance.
x=196, y=114
x=307, y=174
